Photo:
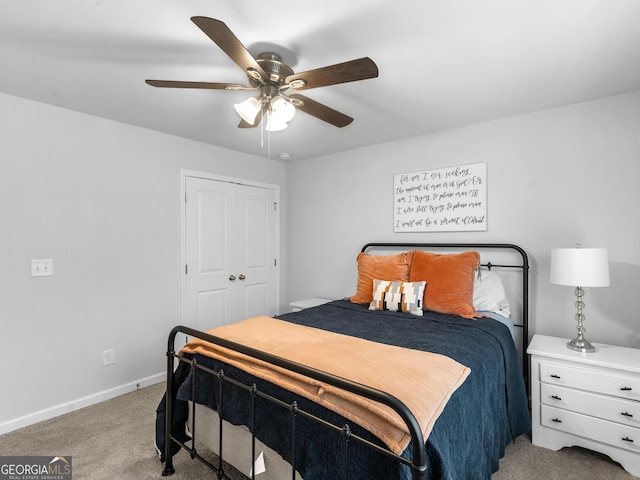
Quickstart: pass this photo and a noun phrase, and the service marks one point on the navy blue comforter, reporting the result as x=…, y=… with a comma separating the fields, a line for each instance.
x=488, y=411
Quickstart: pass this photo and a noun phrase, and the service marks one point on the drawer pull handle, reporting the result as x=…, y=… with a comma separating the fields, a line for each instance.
x=556, y=397
x=555, y=376
x=557, y=420
x=627, y=439
x=627, y=414
x=626, y=389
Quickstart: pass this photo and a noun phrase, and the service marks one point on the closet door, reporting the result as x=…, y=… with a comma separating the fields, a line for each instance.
x=230, y=271
x=256, y=263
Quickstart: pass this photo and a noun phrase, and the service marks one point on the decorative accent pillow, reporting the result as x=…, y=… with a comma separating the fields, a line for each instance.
x=450, y=278
x=394, y=268
x=398, y=296
x=489, y=294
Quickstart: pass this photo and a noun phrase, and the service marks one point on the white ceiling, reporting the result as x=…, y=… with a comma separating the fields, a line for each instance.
x=442, y=63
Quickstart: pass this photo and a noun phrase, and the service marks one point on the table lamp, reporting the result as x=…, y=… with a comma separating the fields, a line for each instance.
x=580, y=267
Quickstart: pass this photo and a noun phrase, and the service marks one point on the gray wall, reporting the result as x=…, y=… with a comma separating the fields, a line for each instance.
x=555, y=178
x=102, y=200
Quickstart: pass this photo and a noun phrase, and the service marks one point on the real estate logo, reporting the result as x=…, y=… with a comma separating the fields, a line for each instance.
x=35, y=468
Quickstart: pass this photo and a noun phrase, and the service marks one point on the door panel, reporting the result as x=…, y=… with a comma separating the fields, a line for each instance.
x=209, y=221
x=212, y=304
x=256, y=241
x=256, y=300
x=211, y=235
x=255, y=232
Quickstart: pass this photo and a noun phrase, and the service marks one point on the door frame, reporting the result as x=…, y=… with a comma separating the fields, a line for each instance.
x=183, y=228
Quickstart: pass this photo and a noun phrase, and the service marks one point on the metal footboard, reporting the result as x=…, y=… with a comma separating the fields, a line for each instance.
x=417, y=463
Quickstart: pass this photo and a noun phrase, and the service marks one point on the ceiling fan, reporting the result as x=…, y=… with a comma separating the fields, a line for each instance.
x=271, y=78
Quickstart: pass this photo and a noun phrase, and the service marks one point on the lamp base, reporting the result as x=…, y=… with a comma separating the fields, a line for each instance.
x=581, y=345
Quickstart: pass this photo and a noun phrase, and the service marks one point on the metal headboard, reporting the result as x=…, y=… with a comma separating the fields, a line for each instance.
x=524, y=266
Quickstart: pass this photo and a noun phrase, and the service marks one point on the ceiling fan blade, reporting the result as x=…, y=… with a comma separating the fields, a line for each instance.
x=321, y=111
x=351, y=71
x=206, y=85
x=229, y=44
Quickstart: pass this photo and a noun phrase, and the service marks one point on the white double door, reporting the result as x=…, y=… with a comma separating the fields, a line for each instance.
x=230, y=252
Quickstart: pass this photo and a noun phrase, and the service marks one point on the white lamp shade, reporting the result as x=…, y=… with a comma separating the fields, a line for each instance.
x=249, y=109
x=273, y=125
x=282, y=110
x=580, y=267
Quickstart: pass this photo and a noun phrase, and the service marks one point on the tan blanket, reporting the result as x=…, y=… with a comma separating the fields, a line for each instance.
x=423, y=381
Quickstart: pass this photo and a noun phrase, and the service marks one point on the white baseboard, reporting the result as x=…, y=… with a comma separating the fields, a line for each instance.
x=67, y=407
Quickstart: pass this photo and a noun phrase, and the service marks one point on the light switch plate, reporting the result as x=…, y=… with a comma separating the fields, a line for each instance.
x=42, y=268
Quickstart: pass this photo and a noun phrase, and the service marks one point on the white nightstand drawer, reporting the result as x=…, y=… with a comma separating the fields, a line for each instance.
x=602, y=431
x=626, y=412
x=591, y=380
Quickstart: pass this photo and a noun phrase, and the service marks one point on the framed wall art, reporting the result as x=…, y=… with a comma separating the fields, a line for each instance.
x=451, y=199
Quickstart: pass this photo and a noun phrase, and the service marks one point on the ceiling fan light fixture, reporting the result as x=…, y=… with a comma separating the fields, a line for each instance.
x=274, y=124
x=282, y=109
x=249, y=109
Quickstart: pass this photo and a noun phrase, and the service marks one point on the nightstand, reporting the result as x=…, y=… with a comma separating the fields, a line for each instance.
x=591, y=400
x=307, y=303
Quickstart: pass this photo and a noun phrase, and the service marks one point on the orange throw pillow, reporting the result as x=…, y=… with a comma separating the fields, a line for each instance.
x=449, y=280
x=394, y=268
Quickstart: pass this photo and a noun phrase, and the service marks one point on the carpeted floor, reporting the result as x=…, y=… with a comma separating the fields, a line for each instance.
x=114, y=440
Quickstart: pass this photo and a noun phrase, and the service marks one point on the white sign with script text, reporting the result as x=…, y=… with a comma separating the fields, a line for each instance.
x=444, y=200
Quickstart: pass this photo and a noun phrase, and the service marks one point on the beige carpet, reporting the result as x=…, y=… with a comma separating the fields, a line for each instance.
x=114, y=440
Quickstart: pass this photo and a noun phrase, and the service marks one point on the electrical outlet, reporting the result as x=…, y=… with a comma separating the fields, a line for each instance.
x=108, y=357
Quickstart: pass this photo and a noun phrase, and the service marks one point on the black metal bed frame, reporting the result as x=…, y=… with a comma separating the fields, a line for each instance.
x=418, y=461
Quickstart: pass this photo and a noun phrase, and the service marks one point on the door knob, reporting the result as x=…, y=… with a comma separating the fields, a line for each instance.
x=242, y=277
x=232, y=277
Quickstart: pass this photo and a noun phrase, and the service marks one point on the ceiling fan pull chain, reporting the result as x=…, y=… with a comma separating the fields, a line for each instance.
x=262, y=127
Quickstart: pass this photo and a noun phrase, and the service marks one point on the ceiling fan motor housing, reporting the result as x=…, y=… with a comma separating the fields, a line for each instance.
x=272, y=64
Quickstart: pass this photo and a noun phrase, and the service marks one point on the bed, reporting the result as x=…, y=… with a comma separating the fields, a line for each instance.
x=270, y=430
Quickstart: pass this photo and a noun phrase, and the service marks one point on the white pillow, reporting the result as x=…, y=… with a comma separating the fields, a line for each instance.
x=489, y=294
